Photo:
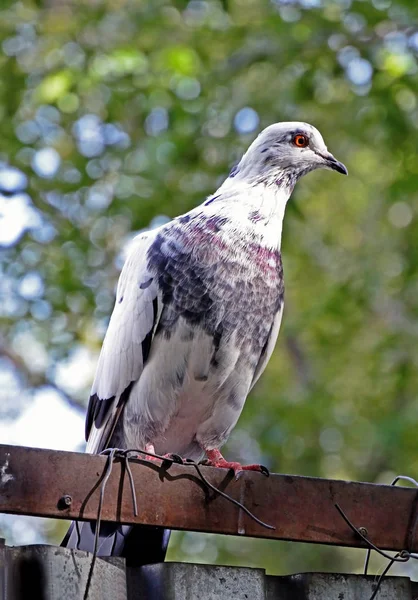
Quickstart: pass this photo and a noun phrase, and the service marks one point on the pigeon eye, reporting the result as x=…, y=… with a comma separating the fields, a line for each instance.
x=300, y=140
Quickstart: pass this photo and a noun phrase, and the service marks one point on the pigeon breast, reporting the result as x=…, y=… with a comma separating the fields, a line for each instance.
x=217, y=278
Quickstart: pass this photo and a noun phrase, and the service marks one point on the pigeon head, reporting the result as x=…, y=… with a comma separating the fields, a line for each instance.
x=287, y=149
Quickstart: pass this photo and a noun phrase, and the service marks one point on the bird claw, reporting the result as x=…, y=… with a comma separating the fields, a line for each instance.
x=175, y=458
x=264, y=470
x=171, y=458
x=215, y=459
x=166, y=460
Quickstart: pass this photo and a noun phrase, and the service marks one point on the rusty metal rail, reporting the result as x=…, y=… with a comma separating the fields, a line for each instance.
x=66, y=485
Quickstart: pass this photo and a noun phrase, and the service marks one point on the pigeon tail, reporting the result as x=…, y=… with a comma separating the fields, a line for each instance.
x=139, y=544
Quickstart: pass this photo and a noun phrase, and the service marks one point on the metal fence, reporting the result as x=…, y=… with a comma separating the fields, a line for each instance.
x=78, y=486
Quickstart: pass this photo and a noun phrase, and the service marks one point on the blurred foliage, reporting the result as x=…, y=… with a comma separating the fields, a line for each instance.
x=119, y=114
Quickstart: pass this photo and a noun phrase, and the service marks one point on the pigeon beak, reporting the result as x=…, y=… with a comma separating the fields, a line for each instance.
x=334, y=164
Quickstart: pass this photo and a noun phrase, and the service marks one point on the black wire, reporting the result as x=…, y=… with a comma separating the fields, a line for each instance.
x=379, y=581
x=368, y=542
x=131, y=482
x=366, y=562
x=174, y=458
x=404, y=478
x=109, y=464
x=167, y=462
x=227, y=497
x=402, y=556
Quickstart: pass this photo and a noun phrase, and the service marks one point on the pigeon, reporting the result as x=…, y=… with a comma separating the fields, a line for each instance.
x=198, y=310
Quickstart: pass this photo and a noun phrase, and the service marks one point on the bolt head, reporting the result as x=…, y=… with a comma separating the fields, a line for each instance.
x=64, y=502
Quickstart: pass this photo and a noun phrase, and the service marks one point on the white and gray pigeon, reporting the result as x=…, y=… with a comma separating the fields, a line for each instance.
x=197, y=314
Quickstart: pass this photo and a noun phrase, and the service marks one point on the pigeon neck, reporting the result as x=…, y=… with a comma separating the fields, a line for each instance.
x=257, y=207
x=266, y=173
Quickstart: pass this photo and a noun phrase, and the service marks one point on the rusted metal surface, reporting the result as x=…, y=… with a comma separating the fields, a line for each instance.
x=33, y=482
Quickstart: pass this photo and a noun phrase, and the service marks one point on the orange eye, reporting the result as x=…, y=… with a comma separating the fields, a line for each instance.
x=300, y=140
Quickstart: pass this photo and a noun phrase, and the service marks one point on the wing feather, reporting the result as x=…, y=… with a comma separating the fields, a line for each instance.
x=126, y=345
x=269, y=346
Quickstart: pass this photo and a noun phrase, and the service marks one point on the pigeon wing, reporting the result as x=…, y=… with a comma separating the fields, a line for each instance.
x=268, y=346
x=126, y=346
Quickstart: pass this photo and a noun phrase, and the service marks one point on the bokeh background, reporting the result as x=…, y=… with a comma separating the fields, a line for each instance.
x=118, y=115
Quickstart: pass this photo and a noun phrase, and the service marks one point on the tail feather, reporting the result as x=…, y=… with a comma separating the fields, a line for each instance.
x=139, y=544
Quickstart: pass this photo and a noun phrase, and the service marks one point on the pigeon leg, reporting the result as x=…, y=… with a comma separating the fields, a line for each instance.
x=215, y=459
x=150, y=448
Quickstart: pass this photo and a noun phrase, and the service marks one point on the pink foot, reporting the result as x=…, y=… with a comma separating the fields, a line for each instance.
x=215, y=459
x=141, y=456
x=150, y=448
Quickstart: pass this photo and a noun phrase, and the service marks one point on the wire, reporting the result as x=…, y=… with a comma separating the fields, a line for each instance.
x=382, y=575
x=366, y=540
x=227, y=497
x=402, y=556
x=108, y=469
x=174, y=458
x=167, y=462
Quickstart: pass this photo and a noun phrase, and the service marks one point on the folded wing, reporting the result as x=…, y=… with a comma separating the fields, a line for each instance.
x=126, y=346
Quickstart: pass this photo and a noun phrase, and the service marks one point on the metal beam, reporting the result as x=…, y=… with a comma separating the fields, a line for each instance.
x=37, y=482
